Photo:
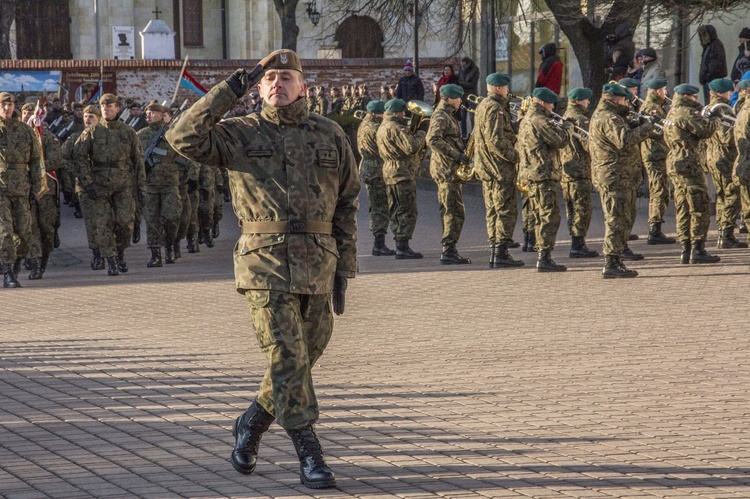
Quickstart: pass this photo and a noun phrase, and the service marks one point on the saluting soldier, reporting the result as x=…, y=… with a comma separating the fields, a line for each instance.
x=576, y=174
x=400, y=149
x=539, y=138
x=444, y=139
x=685, y=170
x=495, y=162
x=371, y=173
x=616, y=168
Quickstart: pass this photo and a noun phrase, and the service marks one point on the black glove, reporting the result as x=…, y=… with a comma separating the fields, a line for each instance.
x=192, y=185
x=241, y=80
x=339, y=293
x=424, y=125
x=463, y=158
x=91, y=192
x=716, y=113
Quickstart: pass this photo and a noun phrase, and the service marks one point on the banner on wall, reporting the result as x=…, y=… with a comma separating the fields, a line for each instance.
x=29, y=81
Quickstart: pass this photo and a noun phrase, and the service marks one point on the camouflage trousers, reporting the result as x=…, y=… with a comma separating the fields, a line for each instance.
x=45, y=220
x=745, y=197
x=577, y=196
x=193, y=226
x=452, y=211
x=292, y=331
x=543, y=198
x=501, y=209
x=163, y=210
x=402, y=208
x=85, y=203
x=691, y=207
x=15, y=228
x=658, y=190
x=206, y=209
x=619, y=215
x=528, y=220
x=112, y=213
x=67, y=179
x=185, y=211
x=728, y=199
x=218, y=206
x=376, y=194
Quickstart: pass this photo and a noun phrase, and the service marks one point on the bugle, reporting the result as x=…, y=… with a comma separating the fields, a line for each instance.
x=727, y=117
x=359, y=114
x=474, y=99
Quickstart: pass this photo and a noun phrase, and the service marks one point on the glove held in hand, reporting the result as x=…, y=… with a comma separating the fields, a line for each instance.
x=339, y=294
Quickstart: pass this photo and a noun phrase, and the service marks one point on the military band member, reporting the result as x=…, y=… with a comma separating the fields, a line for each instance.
x=539, y=138
x=371, y=173
x=616, y=169
x=654, y=157
x=686, y=173
x=495, y=162
x=741, y=170
x=634, y=103
x=400, y=149
x=576, y=174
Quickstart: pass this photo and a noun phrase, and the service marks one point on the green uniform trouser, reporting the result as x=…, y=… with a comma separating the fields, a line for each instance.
x=15, y=228
x=182, y=227
x=658, y=190
x=692, y=207
x=452, y=211
x=577, y=196
x=67, y=180
x=292, y=331
x=112, y=211
x=543, y=197
x=88, y=220
x=219, y=200
x=163, y=211
x=619, y=214
x=193, y=225
x=745, y=197
x=402, y=208
x=501, y=209
x=728, y=202
x=378, y=197
x=528, y=219
x=44, y=222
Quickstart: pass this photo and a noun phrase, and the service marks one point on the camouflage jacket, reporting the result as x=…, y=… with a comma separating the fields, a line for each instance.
x=446, y=144
x=166, y=170
x=739, y=104
x=538, y=141
x=399, y=149
x=52, y=151
x=683, y=138
x=337, y=106
x=720, y=149
x=285, y=165
x=321, y=105
x=613, y=145
x=371, y=166
x=654, y=148
x=108, y=145
x=495, y=156
x=741, y=172
x=574, y=157
x=21, y=168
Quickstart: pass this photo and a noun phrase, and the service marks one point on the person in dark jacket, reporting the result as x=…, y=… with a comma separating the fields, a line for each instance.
x=468, y=78
x=713, y=60
x=550, y=70
x=620, y=50
x=410, y=86
x=743, y=49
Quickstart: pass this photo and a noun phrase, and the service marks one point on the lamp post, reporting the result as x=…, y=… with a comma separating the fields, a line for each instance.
x=416, y=37
x=312, y=12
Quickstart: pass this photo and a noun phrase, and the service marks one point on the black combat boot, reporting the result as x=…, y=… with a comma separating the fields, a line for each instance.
x=614, y=268
x=207, y=239
x=112, y=266
x=97, y=262
x=379, y=248
x=9, y=280
x=545, y=263
x=578, y=249
x=700, y=255
x=169, y=253
x=36, y=269
x=633, y=237
x=16, y=268
x=56, y=242
x=314, y=473
x=514, y=245
x=247, y=430
x=177, y=250
x=122, y=265
x=136, y=231
x=404, y=252
x=628, y=254
x=450, y=256
x=532, y=241
x=525, y=246
x=727, y=239
x=493, y=252
x=43, y=263
x=656, y=236
x=155, y=258
x=215, y=231
x=192, y=245
x=685, y=252
x=77, y=211
x=502, y=258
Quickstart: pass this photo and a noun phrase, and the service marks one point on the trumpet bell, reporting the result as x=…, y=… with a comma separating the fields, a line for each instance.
x=474, y=99
x=465, y=172
x=419, y=107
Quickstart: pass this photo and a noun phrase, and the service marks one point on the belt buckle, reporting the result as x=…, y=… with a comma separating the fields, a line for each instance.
x=297, y=226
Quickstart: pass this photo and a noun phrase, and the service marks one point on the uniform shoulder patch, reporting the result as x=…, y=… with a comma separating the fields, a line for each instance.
x=586, y=123
x=403, y=129
x=615, y=118
x=501, y=113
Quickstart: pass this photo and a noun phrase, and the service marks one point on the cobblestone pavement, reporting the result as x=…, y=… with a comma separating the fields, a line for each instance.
x=439, y=381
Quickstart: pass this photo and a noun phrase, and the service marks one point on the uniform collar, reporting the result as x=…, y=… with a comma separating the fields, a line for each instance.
x=292, y=115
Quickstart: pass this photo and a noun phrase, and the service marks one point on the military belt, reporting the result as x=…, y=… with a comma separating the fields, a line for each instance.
x=16, y=166
x=287, y=227
x=106, y=164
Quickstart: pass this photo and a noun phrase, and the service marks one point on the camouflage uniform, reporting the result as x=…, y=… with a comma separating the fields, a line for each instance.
x=721, y=153
x=337, y=106
x=284, y=166
x=45, y=212
x=321, y=105
x=206, y=204
x=80, y=197
x=65, y=172
x=576, y=175
x=654, y=156
x=219, y=200
x=371, y=173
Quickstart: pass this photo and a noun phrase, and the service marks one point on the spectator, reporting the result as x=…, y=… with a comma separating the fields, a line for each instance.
x=620, y=50
x=410, y=86
x=635, y=71
x=550, y=70
x=385, y=93
x=713, y=60
x=468, y=78
x=744, y=50
x=651, y=67
x=449, y=77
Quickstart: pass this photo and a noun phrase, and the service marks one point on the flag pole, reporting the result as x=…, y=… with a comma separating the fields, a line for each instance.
x=177, y=88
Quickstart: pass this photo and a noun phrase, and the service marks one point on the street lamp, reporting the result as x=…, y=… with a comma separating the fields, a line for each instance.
x=312, y=12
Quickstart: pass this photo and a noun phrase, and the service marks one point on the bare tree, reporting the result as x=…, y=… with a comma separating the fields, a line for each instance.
x=7, y=16
x=287, y=11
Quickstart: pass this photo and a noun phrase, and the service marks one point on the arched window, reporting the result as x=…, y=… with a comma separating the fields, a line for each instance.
x=359, y=36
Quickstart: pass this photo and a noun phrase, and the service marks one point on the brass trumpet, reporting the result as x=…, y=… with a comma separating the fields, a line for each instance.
x=659, y=123
x=465, y=172
x=580, y=133
x=474, y=99
x=359, y=114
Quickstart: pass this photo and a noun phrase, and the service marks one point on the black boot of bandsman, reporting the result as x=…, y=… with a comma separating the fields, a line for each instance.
x=9, y=280
x=404, y=252
x=502, y=258
x=450, y=256
x=169, y=253
x=122, y=265
x=97, y=262
x=628, y=254
x=656, y=236
x=728, y=241
x=155, y=258
x=36, y=269
x=112, y=267
x=379, y=248
x=685, y=252
x=314, y=473
x=177, y=250
x=578, y=249
x=545, y=263
x=16, y=269
x=493, y=252
x=614, y=268
x=247, y=430
x=698, y=254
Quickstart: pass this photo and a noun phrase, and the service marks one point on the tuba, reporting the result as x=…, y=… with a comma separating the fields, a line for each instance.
x=465, y=172
x=419, y=111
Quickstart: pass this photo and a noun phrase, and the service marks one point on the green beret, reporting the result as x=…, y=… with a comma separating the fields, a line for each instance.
x=451, y=91
x=545, y=95
x=615, y=89
x=686, y=89
x=721, y=85
x=395, y=106
x=743, y=85
x=629, y=82
x=657, y=83
x=580, y=93
x=498, y=79
x=376, y=107
x=281, y=59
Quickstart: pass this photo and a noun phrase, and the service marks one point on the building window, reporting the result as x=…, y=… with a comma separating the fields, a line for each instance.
x=192, y=23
